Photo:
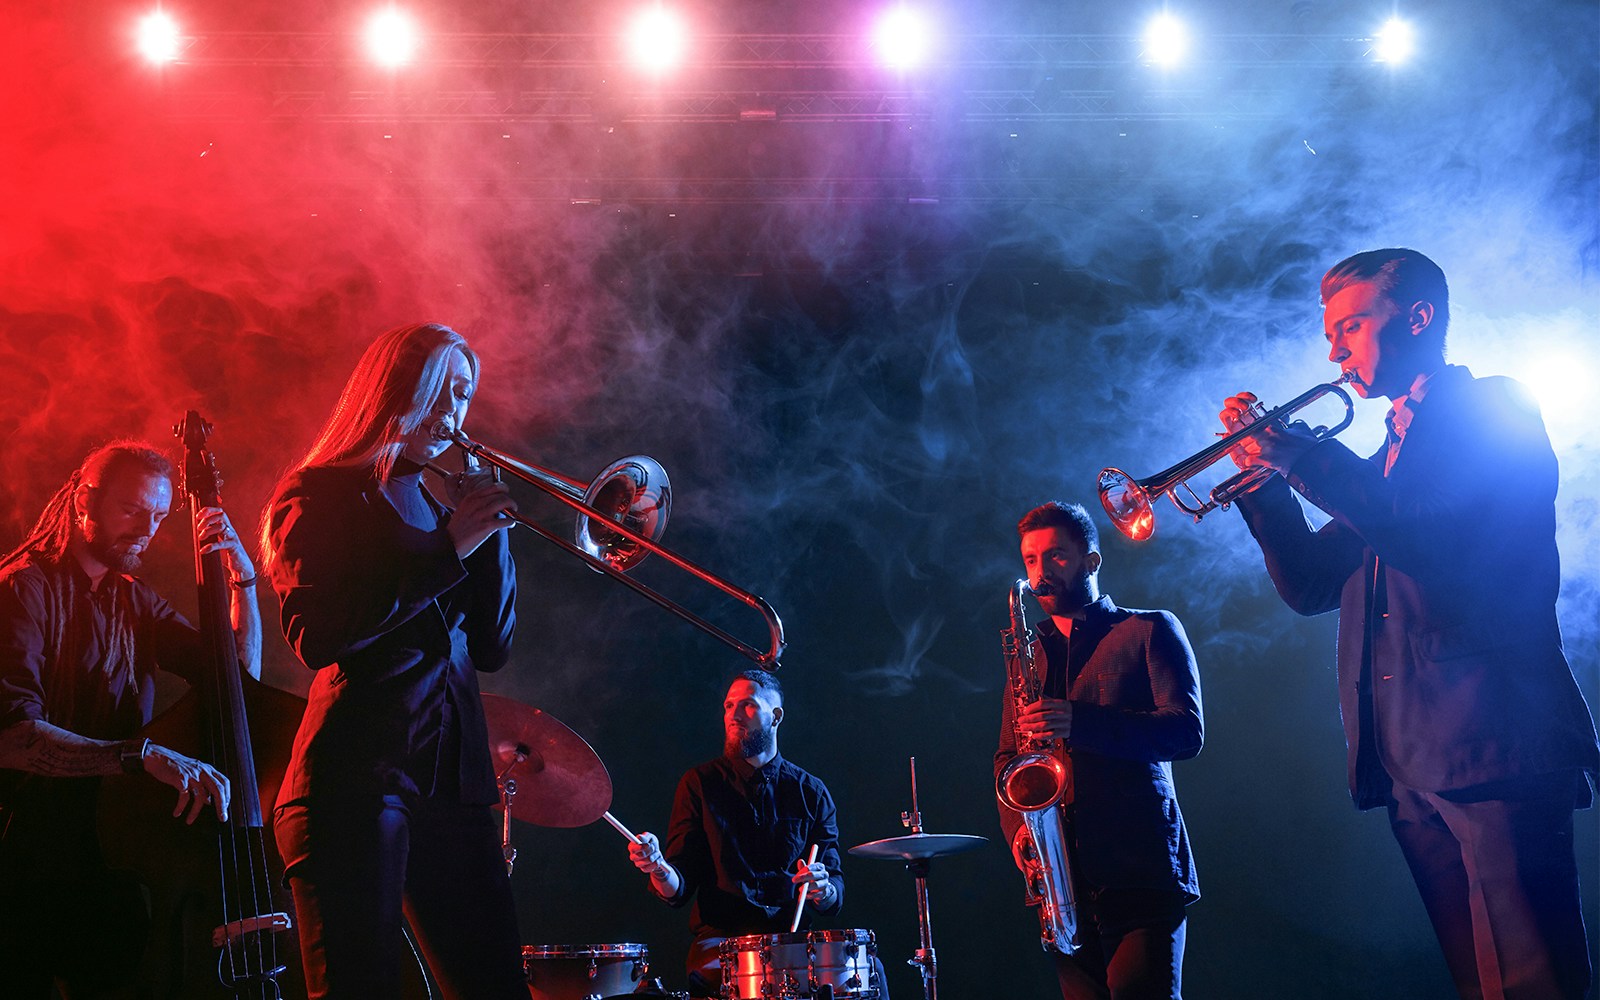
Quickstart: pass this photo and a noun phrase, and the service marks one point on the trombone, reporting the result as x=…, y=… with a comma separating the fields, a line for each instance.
x=631, y=498
x=1129, y=502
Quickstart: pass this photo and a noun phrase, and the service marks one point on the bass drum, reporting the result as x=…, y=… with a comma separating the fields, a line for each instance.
x=762, y=966
x=583, y=971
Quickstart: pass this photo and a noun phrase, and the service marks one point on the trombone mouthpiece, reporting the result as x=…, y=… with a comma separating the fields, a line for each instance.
x=442, y=431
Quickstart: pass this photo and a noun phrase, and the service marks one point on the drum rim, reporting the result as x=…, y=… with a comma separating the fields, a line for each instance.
x=855, y=935
x=621, y=950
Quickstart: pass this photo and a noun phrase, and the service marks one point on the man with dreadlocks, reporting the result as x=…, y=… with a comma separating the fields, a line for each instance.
x=80, y=639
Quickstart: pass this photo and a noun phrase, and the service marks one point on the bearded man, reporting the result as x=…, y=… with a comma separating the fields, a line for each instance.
x=740, y=835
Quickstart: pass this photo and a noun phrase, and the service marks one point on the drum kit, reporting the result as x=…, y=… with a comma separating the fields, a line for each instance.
x=550, y=776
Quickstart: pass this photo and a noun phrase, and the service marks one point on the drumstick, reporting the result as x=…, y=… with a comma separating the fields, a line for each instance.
x=620, y=828
x=800, y=904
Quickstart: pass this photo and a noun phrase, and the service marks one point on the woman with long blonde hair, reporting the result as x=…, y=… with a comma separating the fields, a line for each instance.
x=396, y=599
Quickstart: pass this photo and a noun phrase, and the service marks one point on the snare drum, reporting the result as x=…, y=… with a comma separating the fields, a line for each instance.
x=583, y=971
x=762, y=966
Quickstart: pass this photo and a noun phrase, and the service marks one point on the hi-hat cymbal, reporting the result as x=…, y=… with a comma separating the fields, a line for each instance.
x=561, y=782
x=914, y=846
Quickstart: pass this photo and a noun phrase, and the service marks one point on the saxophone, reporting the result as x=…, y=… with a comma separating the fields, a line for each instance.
x=1033, y=783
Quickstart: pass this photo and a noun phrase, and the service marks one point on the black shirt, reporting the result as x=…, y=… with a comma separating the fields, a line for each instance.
x=61, y=662
x=735, y=835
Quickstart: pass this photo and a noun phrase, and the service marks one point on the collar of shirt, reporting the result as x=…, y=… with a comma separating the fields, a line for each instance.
x=1404, y=409
x=746, y=774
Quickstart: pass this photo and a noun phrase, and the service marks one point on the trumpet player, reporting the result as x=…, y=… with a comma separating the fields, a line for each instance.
x=1462, y=719
x=1120, y=701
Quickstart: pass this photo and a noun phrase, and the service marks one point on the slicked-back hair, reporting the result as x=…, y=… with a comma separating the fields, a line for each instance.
x=1404, y=276
x=1060, y=514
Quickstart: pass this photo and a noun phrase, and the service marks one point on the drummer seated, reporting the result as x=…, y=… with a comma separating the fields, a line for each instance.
x=741, y=836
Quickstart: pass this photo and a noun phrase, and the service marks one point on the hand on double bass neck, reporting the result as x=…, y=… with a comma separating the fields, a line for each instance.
x=197, y=782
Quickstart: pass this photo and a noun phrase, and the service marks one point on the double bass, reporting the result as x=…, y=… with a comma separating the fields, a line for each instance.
x=221, y=924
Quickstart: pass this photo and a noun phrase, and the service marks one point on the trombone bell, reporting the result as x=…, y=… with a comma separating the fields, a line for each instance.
x=636, y=492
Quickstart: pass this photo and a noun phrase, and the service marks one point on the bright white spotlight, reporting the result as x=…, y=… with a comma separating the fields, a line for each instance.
x=903, y=38
x=158, y=38
x=392, y=37
x=1396, y=42
x=1563, y=384
x=1166, y=40
x=657, y=39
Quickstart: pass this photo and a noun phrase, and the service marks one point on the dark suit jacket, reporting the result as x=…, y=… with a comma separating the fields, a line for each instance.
x=396, y=627
x=1135, y=708
x=1447, y=571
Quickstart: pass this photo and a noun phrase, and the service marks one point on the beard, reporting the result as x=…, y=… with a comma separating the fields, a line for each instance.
x=1066, y=597
x=750, y=743
x=108, y=551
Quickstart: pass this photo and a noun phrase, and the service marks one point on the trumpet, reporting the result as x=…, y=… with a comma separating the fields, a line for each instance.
x=1130, y=503
x=622, y=514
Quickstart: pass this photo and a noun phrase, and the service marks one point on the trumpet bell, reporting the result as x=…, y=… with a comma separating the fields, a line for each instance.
x=634, y=491
x=1127, y=504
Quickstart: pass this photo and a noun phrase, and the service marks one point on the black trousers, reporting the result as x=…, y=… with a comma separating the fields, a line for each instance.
x=355, y=867
x=1498, y=875
x=1132, y=946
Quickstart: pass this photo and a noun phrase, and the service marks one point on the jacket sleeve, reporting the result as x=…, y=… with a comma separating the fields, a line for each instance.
x=1308, y=568
x=340, y=590
x=1174, y=728
x=1010, y=820
x=491, y=608
x=1489, y=461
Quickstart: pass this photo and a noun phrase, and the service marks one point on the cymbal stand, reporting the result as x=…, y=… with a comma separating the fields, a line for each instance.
x=918, y=867
x=508, y=792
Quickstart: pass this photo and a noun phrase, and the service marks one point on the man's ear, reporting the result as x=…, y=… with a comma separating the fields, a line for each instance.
x=1421, y=317
x=1092, y=560
x=82, y=498
x=777, y=714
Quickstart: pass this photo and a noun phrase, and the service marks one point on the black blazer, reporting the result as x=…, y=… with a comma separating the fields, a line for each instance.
x=1455, y=554
x=1135, y=708
x=396, y=627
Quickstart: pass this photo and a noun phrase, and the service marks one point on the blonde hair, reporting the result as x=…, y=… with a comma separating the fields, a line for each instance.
x=389, y=395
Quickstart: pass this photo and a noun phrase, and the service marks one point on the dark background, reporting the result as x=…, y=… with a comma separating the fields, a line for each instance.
x=865, y=326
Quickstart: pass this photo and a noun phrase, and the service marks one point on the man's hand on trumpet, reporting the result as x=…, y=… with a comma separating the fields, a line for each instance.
x=1276, y=446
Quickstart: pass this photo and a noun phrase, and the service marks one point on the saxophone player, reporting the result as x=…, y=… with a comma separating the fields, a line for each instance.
x=1119, y=701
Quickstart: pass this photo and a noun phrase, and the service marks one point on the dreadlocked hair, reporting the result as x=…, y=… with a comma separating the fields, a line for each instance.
x=48, y=540
x=46, y=546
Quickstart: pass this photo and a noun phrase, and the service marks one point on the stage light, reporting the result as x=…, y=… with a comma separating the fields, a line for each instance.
x=902, y=38
x=1166, y=41
x=392, y=37
x=657, y=39
x=158, y=38
x=1396, y=42
x=1561, y=381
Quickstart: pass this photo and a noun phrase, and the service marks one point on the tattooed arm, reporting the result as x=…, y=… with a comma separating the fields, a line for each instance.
x=37, y=747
